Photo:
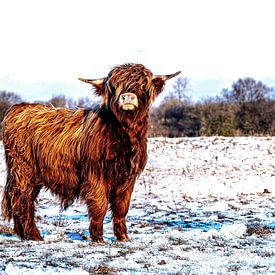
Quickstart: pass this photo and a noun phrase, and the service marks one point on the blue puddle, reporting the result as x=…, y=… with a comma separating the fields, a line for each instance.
x=75, y=236
x=205, y=226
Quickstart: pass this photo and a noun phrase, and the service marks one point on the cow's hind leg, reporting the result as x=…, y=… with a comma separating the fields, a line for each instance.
x=24, y=214
x=31, y=231
x=23, y=191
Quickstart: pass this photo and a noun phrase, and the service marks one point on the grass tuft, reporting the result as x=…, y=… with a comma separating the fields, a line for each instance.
x=258, y=229
x=6, y=230
x=103, y=269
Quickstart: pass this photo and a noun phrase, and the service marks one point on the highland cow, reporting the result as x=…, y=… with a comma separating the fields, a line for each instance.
x=92, y=155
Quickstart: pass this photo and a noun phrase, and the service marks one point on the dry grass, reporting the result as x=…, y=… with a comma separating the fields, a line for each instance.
x=6, y=230
x=259, y=230
x=103, y=269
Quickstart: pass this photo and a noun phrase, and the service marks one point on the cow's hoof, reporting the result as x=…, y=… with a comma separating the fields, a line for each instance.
x=123, y=239
x=98, y=240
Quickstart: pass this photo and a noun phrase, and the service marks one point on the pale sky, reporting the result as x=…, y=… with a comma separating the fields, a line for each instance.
x=57, y=41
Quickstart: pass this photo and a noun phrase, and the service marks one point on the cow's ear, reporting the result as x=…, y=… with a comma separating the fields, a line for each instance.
x=159, y=84
x=98, y=84
x=159, y=80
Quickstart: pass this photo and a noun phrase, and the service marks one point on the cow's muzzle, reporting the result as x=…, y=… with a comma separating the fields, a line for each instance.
x=128, y=101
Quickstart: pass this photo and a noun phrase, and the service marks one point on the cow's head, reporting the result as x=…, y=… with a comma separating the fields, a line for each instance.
x=129, y=89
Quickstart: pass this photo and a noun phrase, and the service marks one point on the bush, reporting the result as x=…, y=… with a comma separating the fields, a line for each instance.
x=7, y=99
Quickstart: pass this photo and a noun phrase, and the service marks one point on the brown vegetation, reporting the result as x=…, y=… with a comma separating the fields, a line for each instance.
x=246, y=109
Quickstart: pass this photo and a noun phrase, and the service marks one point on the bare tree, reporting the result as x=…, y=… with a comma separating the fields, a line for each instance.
x=180, y=88
x=247, y=90
x=10, y=97
x=7, y=99
x=251, y=100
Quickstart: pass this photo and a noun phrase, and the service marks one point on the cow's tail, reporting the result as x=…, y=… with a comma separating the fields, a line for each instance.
x=8, y=192
x=7, y=200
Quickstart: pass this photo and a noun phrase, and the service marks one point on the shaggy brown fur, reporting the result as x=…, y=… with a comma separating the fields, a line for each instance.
x=95, y=156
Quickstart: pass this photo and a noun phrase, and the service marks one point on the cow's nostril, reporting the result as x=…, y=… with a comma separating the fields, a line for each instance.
x=128, y=98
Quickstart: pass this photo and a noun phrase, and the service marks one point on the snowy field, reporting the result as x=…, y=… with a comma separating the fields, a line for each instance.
x=202, y=206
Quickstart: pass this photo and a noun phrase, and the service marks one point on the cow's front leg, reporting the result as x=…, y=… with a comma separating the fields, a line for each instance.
x=97, y=205
x=120, y=229
x=120, y=202
x=96, y=227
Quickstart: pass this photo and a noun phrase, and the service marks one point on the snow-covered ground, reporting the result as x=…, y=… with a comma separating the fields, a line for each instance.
x=202, y=206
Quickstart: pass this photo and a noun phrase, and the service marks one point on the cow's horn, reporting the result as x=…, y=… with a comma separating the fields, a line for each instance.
x=166, y=77
x=95, y=82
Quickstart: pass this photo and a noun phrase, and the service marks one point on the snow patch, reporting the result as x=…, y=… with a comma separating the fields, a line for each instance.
x=190, y=212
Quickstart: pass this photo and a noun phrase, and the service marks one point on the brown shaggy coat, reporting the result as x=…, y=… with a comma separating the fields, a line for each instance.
x=95, y=156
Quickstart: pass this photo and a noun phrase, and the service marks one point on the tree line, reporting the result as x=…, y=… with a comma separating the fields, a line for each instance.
x=247, y=108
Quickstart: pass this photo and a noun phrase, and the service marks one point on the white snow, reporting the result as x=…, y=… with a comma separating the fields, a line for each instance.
x=190, y=213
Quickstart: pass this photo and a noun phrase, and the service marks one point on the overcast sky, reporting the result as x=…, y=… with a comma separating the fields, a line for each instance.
x=57, y=41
